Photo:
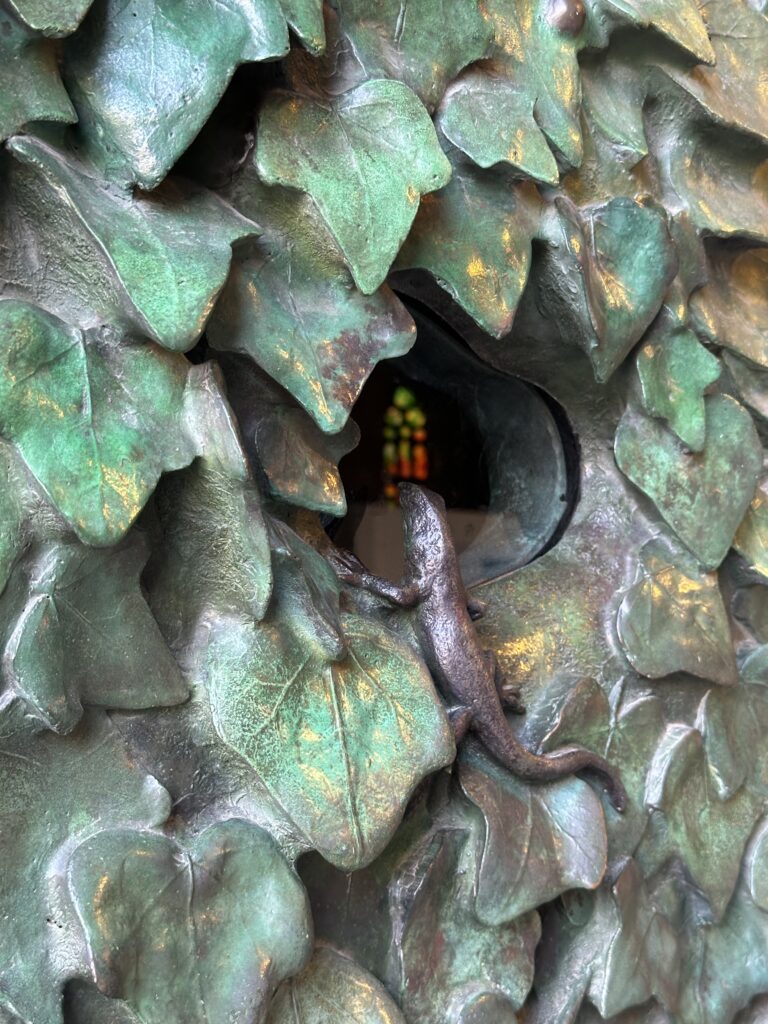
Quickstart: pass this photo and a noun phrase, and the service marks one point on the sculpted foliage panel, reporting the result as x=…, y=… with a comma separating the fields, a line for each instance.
x=245, y=777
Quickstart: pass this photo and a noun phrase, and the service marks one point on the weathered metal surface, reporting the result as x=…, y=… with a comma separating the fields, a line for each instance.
x=210, y=747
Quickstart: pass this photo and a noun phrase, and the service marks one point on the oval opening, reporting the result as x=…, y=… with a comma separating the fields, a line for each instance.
x=500, y=452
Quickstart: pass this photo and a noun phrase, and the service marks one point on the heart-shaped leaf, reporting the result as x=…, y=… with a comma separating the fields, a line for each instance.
x=672, y=619
x=474, y=236
x=623, y=954
x=146, y=74
x=527, y=95
x=732, y=308
x=607, y=269
x=679, y=20
x=63, y=646
x=691, y=819
x=191, y=932
x=722, y=973
x=152, y=263
x=332, y=979
x=486, y=115
x=675, y=371
x=538, y=842
x=686, y=487
x=58, y=792
x=751, y=538
x=299, y=462
x=364, y=158
x=411, y=45
x=214, y=557
x=446, y=958
x=51, y=17
x=290, y=305
x=339, y=743
x=30, y=86
x=96, y=422
x=731, y=90
x=720, y=179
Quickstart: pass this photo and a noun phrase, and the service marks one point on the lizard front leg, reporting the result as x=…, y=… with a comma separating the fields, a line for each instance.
x=351, y=570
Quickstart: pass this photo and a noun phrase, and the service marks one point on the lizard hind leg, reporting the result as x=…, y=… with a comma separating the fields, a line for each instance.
x=509, y=695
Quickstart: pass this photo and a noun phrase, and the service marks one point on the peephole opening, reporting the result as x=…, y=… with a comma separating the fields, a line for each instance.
x=499, y=451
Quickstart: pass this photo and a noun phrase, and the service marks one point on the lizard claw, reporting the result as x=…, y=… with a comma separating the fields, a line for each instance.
x=511, y=699
x=347, y=566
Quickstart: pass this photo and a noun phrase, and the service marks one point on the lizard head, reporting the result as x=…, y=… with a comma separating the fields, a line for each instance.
x=424, y=525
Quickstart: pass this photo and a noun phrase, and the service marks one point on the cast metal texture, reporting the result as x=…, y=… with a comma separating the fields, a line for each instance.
x=231, y=784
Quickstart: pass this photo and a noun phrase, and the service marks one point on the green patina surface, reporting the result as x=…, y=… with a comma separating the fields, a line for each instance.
x=230, y=790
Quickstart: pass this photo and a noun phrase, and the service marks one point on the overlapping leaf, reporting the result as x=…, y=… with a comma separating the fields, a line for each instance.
x=686, y=487
x=681, y=22
x=730, y=90
x=448, y=959
x=30, y=86
x=300, y=463
x=57, y=792
x=379, y=154
x=606, y=273
x=290, y=305
x=145, y=75
x=339, y=737
x=190, y=932
x=723, y=965
x=333, y=980
x=732, y=308
x=96, y=422
x=76, y=630
x=675, y=372
x=672, y=619
x=527, y=95
x=691, y=818
x=474, y=236
x=539, y=840
x=411, y=43
x=153, y=263
x=615, y=949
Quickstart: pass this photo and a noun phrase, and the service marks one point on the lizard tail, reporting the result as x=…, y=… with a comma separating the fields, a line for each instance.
x=506, y=748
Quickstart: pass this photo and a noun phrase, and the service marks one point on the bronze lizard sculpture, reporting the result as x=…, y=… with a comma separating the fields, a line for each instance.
x=467, y=675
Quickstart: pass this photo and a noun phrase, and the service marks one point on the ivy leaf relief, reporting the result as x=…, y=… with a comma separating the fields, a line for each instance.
x=686, y=486
x=30, y=86
x=672, y=619
x=145, y=75
x=751, y=540
x=690, y=818
x=153, y=263
x=300, y=462
x=379, y=154
x=474, y=236
x=615, y=949
x=408, y=42
x=732, y=308
x=95, y=421
x=675, y=371
x=291, y=306
x=190, y=932
x=538, y=840
x=58, y=792
x=333, y=980
x=62, y=647
x=681, y=21
x=340, y=738
x=607, y=269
